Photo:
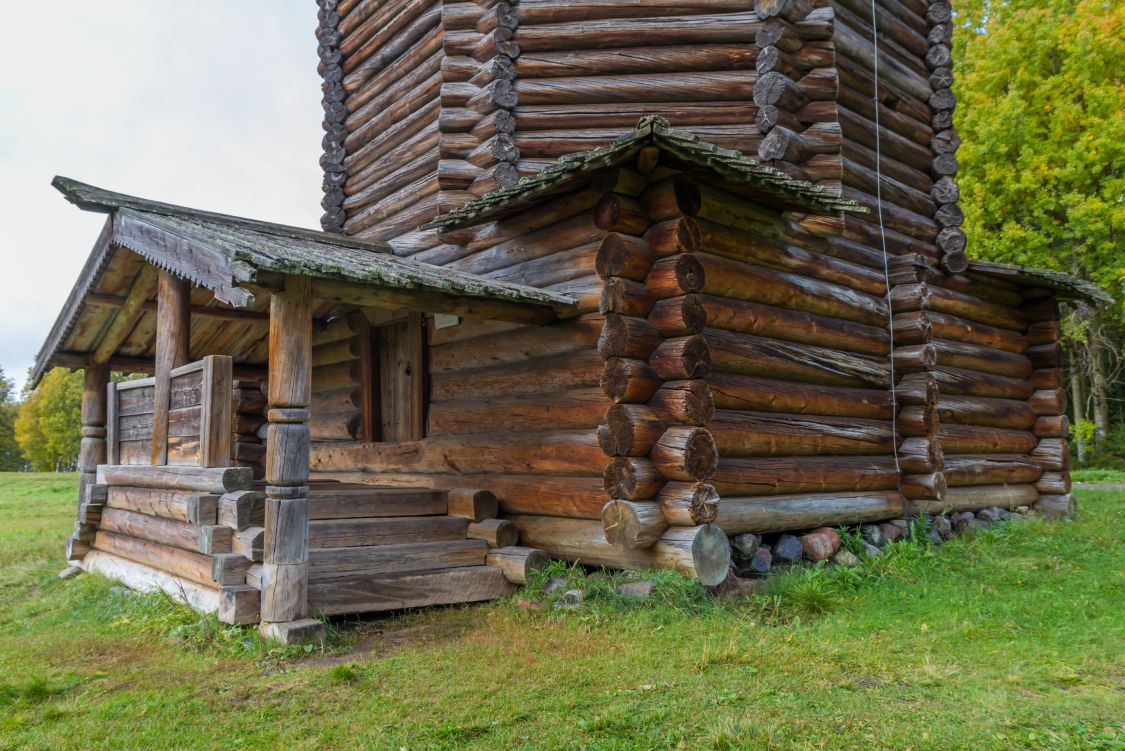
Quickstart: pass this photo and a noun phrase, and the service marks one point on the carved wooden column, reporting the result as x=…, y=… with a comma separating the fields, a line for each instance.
x=285, y=555
x=173, y=327
x=93, y=450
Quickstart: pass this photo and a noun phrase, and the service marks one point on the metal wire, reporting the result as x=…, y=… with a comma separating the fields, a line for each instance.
x=886, y=263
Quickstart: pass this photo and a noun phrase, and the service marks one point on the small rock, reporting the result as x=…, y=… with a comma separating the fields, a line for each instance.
x=979, y=523
x=735, y=588
x=934, y=537
x=942, y=526
x=900, y=523
x=745, y=545
x=892, y=532
x=1022, y=510
x=847, y=558
x=871, y=551
x=820, y=544
x=571, y=598
x=761, y=562
x=554, y=584
x=961, y=520
x=70, y=572
x=1005, y=514
x=872, y=534
x=991, y=514
x=637, y=590
x=788, y=549
x=525, y=604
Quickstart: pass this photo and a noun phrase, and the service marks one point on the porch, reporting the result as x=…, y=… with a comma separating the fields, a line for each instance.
x=196, y=479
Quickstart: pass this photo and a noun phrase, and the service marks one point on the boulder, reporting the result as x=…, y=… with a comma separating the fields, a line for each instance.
x=872, y=534
x=892, y=532
x=636, y=590
x=820, y=544
x=761, y=562
x=991, y=514
x=934, y=537
x=942, y=526
x=745, y=546
x=788, y=549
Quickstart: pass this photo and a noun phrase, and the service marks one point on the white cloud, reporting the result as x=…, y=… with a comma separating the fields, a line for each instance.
x=213, y=104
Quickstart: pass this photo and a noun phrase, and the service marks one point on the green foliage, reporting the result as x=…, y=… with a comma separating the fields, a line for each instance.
x=11, y=458
x=1041, y=89
x=49, y=427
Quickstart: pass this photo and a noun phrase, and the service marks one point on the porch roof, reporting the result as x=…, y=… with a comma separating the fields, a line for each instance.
x=232, y=261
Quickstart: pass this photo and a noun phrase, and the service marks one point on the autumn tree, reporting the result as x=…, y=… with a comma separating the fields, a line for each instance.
x=49, y=427
x=1041, y=92
x=11, y=458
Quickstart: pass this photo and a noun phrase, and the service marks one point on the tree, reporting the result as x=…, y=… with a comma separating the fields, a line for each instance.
x=1041, y=89
x=11, y=458
x=49, y=428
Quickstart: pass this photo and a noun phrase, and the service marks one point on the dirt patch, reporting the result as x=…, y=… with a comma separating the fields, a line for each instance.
x=378, y=637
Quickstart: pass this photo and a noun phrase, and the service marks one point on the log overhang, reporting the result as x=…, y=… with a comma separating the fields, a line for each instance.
x=235, y=258
x=726, y=168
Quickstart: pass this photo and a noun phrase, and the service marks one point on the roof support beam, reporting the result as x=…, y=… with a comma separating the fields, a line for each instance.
x=173, y=326
x=197, y=311
x=127, y=317
x=424, y=301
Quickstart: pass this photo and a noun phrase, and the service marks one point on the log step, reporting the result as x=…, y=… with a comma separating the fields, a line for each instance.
x=341, y=533
x=380, y=560
x=365, y=594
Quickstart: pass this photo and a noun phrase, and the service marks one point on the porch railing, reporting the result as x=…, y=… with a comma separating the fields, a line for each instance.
x=198, y=417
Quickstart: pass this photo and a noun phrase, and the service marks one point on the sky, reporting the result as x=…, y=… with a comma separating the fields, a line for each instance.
x=213, y=104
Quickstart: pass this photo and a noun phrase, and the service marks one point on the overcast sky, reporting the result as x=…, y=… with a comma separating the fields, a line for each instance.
x=213, y=104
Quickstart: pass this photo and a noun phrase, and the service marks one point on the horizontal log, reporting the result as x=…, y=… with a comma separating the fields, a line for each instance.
x=974, y=383
x=627, y=32
x=797, y=326
x=991, y=469
x=984, y=359
x=953, y=328
x=687, y=504
x=570, y=370
x=341, y=533
x=1047, y=401
x=171, y=532
x=781, y=513
x=699, y=552
x=367, y=593
x=633, y=525
x=758, y=356
x=627, y=60
x=555, y=453
x=1053, y=483
x=921, y=454
x=923, y=296
x=972, y=439
x=565, y=410
x=193, y=566
x=976, y=497
x=630, y=381
x=790, y=474
x=204, y=480
x=739, y=392
x=633, y=478
x=739, y=433
x=986, y=411
x=701, y=86
x=185, y=506
x=1052, y=454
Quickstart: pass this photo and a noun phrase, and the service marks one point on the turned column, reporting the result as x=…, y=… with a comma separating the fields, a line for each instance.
x=95, y=381
x=285, y=554
x=173, y=326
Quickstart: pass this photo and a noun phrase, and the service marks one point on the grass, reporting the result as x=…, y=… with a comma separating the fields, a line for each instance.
x=1099, y=476
x=1012, y=640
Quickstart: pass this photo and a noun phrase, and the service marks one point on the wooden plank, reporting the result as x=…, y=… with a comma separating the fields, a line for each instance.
x=366, y=594
x=185, y=506
x=177, y=534
x=419, y=376
x=203, y=597
x=349, y=503
x=336, y=533
x=192, y=566
x=368, y=377
x=202, y=479
x=215, y=420
x=329, y=563
x=173, y=328
x=111, y=436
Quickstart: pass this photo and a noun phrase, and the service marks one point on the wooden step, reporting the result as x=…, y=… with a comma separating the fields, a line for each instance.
x=331, y=501
x=339, y=533
x=365, y=594
x=333, y=563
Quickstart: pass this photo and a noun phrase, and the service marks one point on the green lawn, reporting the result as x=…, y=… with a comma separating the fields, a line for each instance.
x=1012, y=640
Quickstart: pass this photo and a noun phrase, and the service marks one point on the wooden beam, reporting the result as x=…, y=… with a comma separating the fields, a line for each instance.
x=76, y=360
x=215, y=415
x=419, y=372
x=127, y=317
x=95, y=382
x=424, y=301
x=173, y=329
x=197, y=311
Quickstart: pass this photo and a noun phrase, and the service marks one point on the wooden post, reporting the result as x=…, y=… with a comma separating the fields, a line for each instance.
x=285, y=552
x=215, y=415
x=95, y=390
x=173, y=326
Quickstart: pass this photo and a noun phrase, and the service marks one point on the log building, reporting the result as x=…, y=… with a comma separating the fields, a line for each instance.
x=602, y=280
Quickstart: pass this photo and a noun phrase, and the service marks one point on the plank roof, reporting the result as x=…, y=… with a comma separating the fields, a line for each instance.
x=739, y=172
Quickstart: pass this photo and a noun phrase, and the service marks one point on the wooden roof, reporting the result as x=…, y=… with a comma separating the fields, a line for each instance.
x=230, y=259
x=727, y=168
x=1065, y=286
